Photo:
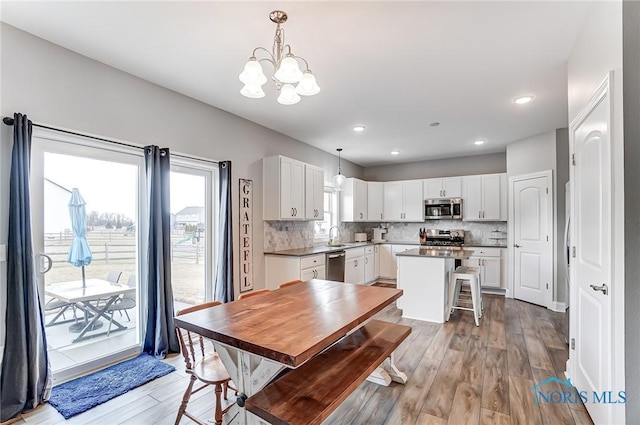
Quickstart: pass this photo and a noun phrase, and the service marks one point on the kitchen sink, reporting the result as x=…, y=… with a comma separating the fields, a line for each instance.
x=338, y=245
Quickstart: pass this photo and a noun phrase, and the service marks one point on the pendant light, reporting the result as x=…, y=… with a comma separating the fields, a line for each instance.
x=338, y=179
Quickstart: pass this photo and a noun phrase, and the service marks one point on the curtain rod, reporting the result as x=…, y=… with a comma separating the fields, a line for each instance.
x=9, y=121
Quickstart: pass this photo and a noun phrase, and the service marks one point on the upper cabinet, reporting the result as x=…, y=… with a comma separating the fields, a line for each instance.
x=314, y=192
x=449, y=187
x=286, y=190
x=403, y=201
x=375, y=201
x=484, y=197
x=353, y=200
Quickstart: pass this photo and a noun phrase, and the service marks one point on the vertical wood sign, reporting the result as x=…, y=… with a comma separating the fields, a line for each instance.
x=246, y=235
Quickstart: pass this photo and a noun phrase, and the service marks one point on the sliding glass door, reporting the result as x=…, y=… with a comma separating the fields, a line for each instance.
x=87, y=322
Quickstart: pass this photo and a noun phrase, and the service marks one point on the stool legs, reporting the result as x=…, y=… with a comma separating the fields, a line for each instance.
x=473, y=283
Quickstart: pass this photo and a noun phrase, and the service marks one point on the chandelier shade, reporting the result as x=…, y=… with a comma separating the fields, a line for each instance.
x=286, y=67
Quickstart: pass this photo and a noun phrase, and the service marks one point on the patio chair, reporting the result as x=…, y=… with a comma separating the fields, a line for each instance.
x=206, y=368
x=289, y=283
x=123, y=303
x=114, y=276
x=56, y=304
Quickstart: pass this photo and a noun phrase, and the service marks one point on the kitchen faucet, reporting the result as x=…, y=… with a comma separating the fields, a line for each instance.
x=333, y=241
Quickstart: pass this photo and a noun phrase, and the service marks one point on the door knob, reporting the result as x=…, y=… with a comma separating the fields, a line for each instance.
x=603, y=288
x=515, y=245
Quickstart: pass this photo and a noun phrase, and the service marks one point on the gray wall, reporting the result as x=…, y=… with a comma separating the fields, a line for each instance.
x=57, y=87
x=461, y=166
x=631, y=67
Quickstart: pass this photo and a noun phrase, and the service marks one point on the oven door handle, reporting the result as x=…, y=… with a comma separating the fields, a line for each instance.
x=336, y=255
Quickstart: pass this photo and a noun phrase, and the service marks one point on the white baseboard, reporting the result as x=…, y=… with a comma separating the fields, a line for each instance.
x=558, y=306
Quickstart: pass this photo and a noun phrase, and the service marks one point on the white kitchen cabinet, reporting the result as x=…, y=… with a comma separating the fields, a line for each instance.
x=449, y=187
x=313, y=273
x=489, y=262
x=376, y=254
x=387, y=266
x=504, y=212
x=283, y=189
x=389, y=261
x=280, y=269
x=370, y=263
x=375, y=201
x=314, y=192
x=483, y=197
x=354, y=265
x=403, y=201
x=353, y=200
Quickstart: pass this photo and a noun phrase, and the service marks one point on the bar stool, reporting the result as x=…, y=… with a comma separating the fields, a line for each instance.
x=457, y=281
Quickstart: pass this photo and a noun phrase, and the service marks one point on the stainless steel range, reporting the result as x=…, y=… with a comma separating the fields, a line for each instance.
x=444, y=239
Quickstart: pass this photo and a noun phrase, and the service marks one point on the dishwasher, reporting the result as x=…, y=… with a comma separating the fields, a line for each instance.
x=335, y=266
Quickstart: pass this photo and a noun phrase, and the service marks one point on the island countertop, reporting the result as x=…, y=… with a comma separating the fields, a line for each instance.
x=460, y=254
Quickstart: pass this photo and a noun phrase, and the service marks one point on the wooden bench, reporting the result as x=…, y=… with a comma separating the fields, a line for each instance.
x=309, y=394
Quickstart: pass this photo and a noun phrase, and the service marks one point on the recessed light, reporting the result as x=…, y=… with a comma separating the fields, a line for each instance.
x=395, y=152
x=478, y=142
x=434, y=124
x=359, y=128
x=523, y=99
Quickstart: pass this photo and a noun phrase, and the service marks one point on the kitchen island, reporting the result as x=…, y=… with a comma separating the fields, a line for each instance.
x=423, y=276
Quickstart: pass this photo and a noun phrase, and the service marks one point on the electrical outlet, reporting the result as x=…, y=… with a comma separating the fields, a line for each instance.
x=3, y=253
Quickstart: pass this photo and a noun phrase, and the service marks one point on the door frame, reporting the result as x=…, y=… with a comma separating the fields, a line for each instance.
x=510, y=292
x=610, y=86
x=78, y=145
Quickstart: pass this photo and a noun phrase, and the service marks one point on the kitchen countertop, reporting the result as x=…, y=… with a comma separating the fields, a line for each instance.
x=323, y=249
x=459, y=254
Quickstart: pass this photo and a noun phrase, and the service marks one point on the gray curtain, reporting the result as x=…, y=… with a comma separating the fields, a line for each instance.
x=160, y=336
x=224, y=272
x=25, y=381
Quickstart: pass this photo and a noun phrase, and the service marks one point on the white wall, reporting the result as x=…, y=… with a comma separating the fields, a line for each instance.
x=598, y=50
x=60, y=88
x=448, y=167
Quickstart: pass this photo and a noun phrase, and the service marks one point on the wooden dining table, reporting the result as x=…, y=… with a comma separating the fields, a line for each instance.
x=259, y=337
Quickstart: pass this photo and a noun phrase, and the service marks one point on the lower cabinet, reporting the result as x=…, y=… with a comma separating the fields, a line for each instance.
x=489, y=261
x=370, y=264
x=354, y=266
x=388, y=260
x=313, y=273
x=280, y=269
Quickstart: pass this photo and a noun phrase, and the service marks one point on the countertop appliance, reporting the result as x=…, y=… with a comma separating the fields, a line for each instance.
x=378, y=234
x=335, y=265
x=360, y=237
x=438, y=209
x=449, y=239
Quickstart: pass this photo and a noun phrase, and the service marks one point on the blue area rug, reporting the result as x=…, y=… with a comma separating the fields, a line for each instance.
x=81, y=394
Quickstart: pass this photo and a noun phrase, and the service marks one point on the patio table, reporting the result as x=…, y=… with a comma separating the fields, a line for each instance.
x=96, y=289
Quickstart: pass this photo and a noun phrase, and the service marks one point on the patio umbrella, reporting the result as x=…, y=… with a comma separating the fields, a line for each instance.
x=79, y=252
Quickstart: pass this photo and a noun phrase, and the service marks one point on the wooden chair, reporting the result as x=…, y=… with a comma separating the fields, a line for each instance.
x=253, y=293
x=291, y=282
x=208, y=369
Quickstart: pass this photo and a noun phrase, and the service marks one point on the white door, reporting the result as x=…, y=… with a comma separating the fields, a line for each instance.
x=387, y=266
x=491, y=272
x=533, y=238
x=591, y=267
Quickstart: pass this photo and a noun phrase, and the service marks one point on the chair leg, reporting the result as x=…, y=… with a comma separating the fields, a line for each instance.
x=185, y=399
x=110, y=322
x=128, y=318
x=225, y=387
x=218, y=412
x=473, y=283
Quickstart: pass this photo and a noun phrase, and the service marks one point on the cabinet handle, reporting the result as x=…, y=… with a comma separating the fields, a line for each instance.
x=295, y=211
x=366, y=260
x=355, y=263
x=479, y=214
x=482, y=214
x=380, y=216
x=360, y=216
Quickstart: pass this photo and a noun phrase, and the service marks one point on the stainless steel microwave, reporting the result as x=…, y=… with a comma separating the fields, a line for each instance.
x=438, y=209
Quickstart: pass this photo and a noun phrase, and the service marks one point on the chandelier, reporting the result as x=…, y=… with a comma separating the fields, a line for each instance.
x=286, y=69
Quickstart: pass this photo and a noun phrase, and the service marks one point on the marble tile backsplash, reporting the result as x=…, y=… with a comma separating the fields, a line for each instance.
x=281, y=235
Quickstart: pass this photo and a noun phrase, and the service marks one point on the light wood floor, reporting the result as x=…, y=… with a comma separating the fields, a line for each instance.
x=458, y=374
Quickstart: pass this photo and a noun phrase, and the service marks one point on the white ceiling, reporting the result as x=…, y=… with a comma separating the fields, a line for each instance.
x=394, y=67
